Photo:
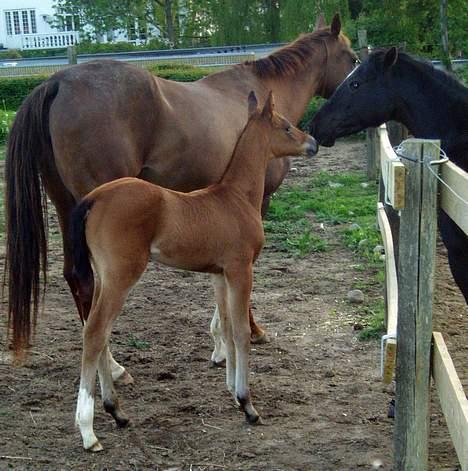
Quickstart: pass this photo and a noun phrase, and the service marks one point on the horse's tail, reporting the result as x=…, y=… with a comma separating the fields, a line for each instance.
x=80, y=250
x=26, y=212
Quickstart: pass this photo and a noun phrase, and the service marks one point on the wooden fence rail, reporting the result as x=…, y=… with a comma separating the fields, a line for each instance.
x=412, y=184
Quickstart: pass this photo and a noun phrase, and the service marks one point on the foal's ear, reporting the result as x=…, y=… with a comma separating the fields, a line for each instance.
x=320, y=22
x=269, y=107
x=253, y=103
x=335, y=26
x=390, y=58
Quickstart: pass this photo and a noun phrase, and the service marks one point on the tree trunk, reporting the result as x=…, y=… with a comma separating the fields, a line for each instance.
x=170, y=23
x=273, y=19
x=444, y=34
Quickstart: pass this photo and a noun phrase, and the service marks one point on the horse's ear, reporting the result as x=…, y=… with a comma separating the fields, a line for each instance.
x=335, y=26
x=253, y=103
x=390, y=58
x=269, y=107
x=320, y=22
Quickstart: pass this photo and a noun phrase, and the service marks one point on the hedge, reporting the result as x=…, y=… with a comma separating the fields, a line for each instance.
x=13, y=90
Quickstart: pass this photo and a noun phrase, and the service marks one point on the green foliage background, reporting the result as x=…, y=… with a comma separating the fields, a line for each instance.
x=219, y=22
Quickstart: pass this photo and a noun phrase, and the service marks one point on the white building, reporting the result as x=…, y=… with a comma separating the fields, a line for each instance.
x=27, y=24
x=34, y=24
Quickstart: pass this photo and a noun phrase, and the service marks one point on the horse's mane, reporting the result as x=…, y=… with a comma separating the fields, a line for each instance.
x=291, y=58
x=425, y=68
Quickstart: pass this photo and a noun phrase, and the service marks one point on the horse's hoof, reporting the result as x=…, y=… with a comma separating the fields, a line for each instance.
x=125, y=378
x=260, y=338
x=217, y=364
x=122, y=422
x=254, y=419
x=95, y=447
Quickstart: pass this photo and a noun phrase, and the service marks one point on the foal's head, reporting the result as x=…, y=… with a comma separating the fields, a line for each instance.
x=283, y=138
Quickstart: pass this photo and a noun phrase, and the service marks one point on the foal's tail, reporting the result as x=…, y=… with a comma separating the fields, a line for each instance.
x=80, y=250
x=29, y=144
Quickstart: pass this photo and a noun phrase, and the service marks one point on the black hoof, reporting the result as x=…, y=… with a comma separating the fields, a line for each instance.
x=217, y=364
x=121, y=419
x=253, y=419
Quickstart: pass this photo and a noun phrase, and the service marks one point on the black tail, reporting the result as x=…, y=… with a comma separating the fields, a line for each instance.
x=26, y=212
x=81, y=257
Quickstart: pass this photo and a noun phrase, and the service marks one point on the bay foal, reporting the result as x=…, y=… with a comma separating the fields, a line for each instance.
x=217, y=230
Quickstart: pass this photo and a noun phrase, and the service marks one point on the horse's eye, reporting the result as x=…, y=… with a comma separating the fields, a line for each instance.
x=354, y=85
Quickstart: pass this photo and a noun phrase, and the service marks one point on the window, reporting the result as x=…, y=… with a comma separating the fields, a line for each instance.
x=24, y=16
x=8, y=23
x=32, y=17
x=67, y=22
x=20, y=22
x=16, y=22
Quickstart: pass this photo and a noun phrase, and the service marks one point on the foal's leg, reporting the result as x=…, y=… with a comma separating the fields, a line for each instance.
x=239, y=287
x=218, y=357
x=219, y=285
x=109, y=395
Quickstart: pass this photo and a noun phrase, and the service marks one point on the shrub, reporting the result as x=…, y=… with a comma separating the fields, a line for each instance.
x=6, y=118
x=10, y=54
x=14, y=90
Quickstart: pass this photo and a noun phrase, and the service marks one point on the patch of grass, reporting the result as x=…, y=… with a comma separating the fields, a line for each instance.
x=287, y=226
x=2, y=152
x=138, y=343
x=6, y=118
x=374, y=321
x=344, y=200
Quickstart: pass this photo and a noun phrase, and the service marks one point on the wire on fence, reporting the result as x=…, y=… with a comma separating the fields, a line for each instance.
x=444, y=158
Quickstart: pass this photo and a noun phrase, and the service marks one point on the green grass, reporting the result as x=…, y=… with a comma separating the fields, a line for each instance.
x=344, y=200
x=6, y=118
x=137, y=343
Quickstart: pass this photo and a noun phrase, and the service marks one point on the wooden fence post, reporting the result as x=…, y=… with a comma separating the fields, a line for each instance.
x=416, y=276
x=72, y=55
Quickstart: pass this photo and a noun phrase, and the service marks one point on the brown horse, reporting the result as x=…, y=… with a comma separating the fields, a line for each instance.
x=102, y=120
x=217, y=230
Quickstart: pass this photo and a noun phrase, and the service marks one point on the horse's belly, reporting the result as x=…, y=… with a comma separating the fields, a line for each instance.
x=190, y=260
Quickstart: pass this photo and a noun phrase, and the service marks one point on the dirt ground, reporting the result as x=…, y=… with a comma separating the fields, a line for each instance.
x=315, y=384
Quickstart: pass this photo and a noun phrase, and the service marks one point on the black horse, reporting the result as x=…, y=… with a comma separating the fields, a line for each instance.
x=391, y=85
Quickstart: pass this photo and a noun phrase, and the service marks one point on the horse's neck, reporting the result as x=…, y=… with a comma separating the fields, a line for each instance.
x=292, y=92
x=428, y=110
x=245, y=174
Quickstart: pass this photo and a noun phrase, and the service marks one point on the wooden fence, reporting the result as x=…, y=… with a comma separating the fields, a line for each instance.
x=410, y=184
x=200, y=60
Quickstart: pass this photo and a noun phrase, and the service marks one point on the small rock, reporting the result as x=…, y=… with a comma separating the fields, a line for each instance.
x=165, y=375
x=356, y=296
x=382, y=257
x=335, y=184
x=363, y=242
x=379, y=249
x=354, y=226
x=364, y=184
x=358, y=326
x=248, y=455
x=329, y=374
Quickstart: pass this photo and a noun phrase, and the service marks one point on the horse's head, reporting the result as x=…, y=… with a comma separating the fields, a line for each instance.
x=365, y=99
x=284, y=138
x=340, y=59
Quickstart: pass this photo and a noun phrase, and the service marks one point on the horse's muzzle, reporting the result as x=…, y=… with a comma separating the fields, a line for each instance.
x=311, y=146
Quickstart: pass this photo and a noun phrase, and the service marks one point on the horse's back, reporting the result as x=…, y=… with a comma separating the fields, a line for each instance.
x=101, y=122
